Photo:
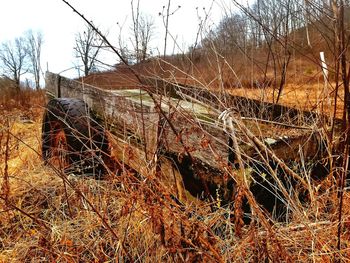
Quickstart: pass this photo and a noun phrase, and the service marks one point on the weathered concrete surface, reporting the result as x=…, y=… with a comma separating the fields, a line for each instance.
x=200, y=149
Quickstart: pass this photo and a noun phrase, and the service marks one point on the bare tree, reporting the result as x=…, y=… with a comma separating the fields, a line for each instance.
x=146, y=28
x=123, y=49
x=34, y=42
x=87, y=47
x=135, y=27
x=143, y=28
x=13, y=55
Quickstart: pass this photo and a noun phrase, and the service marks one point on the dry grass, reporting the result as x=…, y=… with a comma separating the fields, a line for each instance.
x=313, y=96
x=47, y=216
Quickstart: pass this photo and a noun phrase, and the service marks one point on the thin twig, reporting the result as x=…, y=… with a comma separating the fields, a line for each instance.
x=139, y=79
x=6, y=185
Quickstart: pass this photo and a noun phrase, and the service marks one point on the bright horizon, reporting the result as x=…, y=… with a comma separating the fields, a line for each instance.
x=59, y=25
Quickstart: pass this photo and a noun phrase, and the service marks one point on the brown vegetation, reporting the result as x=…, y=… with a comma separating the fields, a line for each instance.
x=47, y=216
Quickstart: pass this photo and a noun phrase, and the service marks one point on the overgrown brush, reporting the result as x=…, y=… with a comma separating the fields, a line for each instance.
x=49, y=216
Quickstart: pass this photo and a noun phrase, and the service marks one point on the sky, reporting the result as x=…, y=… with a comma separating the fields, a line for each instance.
x=59, y=24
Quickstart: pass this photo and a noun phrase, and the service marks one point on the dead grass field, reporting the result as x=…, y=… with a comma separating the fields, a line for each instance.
x=313, y=96
x=46, y=216
x=48, y=219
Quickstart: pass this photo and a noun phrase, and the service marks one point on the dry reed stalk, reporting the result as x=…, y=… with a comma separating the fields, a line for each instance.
x=5, y=187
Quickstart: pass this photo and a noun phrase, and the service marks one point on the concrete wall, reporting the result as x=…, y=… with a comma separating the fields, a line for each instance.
x=125, y=115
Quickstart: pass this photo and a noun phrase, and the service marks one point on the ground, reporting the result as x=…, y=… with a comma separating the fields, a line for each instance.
x=48, y=216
